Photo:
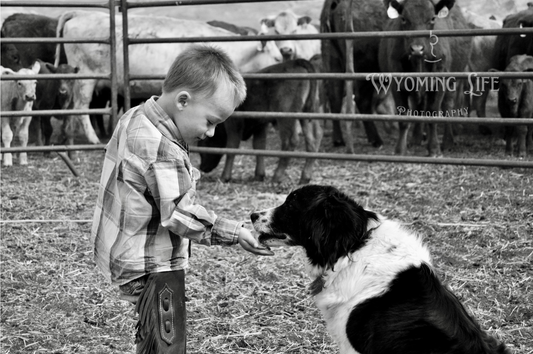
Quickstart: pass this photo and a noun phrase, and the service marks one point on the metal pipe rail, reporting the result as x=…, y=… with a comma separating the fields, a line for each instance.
x=104, y=4
x=315, y=155
x=32, y=40
x=382, y=118
x=55, y=112
x=339, y=35
x=368, y=76
x=192, y=2
x=54, y=77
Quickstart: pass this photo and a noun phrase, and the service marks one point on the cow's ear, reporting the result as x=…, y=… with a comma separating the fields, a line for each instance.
x=7, y=71
x=394, y=10
x=50, y=67
x=304, y=21
x=268, y=22
x=443, y=13
x=442, y=9
x=527, y=63
x=36, y=67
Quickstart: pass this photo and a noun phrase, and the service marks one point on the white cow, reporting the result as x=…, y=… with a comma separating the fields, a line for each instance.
x=17, y=95
x=145, y=59
x=288, y=23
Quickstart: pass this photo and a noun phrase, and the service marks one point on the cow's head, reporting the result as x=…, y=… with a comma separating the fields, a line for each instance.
x=416, y=15
x=10, y=57
x=286, y=23
x=514, y=90
x=66, y=86
x=26, y=88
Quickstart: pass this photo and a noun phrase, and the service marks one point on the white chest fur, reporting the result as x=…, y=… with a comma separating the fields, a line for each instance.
x=365, y=274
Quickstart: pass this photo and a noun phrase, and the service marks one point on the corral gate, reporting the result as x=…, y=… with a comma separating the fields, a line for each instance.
x=125, y=5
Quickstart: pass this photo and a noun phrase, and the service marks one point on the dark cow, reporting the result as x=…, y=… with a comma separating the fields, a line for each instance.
x=272, y=96
x=367, y=15
x=424, y=54
x=505, y=48
x=15, y=56
x=243, y=31
x=52, y=94
x=515, y=100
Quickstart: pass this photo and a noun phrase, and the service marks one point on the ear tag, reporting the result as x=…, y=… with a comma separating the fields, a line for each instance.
x=392, y=12
x=522, y=35
x=443, y=12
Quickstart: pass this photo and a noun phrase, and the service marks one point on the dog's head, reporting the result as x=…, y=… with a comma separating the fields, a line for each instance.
x=324, y=221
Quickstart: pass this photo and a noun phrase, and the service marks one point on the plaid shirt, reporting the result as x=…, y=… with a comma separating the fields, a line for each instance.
x=146, y=212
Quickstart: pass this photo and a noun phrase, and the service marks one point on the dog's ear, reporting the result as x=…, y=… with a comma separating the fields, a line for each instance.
x=337, y=226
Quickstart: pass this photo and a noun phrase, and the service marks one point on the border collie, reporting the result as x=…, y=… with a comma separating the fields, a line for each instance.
x=374, y=280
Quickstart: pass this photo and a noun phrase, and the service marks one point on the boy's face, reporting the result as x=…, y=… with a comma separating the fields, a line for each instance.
x=197, y=115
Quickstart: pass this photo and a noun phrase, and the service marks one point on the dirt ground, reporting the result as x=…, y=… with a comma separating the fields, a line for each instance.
x=478, y=223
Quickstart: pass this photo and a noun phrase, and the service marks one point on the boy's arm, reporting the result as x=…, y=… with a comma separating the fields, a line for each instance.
x=170, y=184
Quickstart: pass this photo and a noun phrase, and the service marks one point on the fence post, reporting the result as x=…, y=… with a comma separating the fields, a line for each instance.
x=348, y=104
x=125, y=50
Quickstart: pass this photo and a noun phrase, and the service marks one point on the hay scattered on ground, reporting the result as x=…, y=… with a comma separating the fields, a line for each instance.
x=478, y=222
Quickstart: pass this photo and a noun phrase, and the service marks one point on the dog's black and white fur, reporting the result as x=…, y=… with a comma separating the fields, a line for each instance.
x=375, y=283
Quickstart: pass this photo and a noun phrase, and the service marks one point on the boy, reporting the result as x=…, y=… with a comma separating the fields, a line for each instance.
x=146, y=213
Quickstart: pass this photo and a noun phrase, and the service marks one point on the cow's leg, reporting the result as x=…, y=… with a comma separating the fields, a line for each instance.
x=7, y=138
x=287, y=131
x=434, y=104
x=23, y=138
x=449, y=105
x=521, y=132
x=529, y=139
x=83, y=93
x=68, y=130
x=508, y=135
x=259, y=143
x=335, y=94
x=233, y=142
x=346, y=126
x=313, y=136
x=401, y=99
x=364, y=103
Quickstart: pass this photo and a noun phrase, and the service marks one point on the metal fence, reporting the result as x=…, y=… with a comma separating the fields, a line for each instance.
x=125, y=5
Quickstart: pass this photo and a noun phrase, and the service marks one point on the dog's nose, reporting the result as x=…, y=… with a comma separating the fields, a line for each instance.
x=254, y=217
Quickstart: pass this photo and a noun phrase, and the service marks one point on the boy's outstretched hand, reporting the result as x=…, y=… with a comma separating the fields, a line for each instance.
x=249, y=243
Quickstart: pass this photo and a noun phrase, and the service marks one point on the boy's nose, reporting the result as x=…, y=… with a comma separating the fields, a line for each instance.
x=210, y=132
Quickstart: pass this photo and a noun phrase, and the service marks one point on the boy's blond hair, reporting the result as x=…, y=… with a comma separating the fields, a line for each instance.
x=200, y=69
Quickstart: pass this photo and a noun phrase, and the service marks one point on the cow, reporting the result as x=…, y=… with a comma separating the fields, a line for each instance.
x=16, y=56
x=53, y=94
x=507, y=46
x=17, y=95
x=20, y=55
x=367, y=15
x=424, y=54
x=145, y=59
x=515, y=100
x=288, y=23
x=271, y=96
x=481, y=57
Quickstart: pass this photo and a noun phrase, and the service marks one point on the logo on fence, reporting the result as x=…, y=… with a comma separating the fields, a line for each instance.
x=433, y=36
x=476, y=84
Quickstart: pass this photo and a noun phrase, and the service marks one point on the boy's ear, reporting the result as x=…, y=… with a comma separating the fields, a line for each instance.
x=181, y=99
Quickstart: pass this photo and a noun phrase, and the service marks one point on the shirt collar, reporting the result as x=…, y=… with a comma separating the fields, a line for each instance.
x=162, y=121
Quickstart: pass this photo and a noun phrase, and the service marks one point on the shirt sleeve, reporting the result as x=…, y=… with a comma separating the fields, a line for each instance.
x=173, y=189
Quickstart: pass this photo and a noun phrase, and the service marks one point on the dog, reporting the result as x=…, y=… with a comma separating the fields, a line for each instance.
x=374, y=282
